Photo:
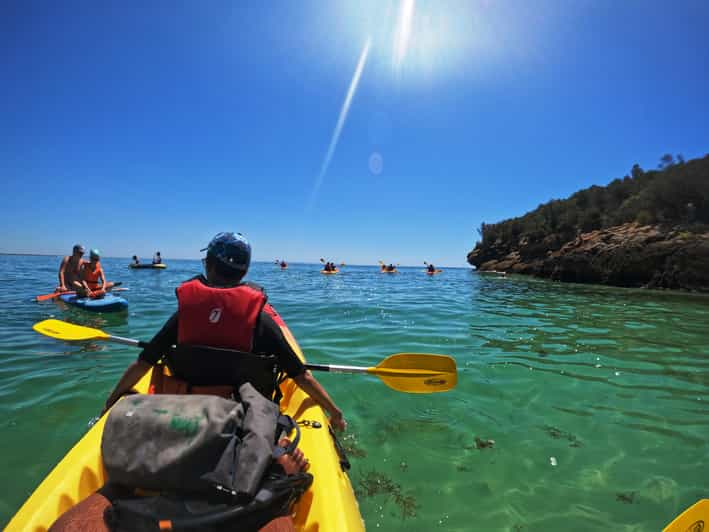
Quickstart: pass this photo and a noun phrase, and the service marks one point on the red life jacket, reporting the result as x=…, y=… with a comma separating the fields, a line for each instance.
x=218, y=317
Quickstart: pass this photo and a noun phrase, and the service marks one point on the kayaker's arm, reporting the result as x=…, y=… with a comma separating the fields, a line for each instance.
x=147, y=359
x=269, y=338
x=131, y=376
x=104, y=282
x=314, y=389
x=62, y=269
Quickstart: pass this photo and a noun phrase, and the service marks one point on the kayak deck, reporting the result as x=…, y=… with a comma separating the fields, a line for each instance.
x=329, y=504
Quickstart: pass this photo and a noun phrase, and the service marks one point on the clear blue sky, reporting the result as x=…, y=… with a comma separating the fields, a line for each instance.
x=136, y=126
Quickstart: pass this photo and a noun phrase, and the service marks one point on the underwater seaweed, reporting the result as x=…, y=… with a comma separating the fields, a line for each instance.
x=375, y=483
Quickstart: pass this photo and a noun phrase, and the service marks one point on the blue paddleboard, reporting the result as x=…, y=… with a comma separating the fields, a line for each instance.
x=108, y=303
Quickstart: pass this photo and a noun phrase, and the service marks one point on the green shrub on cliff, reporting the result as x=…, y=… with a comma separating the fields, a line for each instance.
x=677, y=193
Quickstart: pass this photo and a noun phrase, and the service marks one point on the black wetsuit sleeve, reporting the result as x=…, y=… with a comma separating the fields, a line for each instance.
x=161, y=342
x=269, y=339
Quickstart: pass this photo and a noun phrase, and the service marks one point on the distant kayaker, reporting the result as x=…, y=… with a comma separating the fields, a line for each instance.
x=220, y=311
x=390, y=268
x=70, y=269
x=92, y=282
x=136, y=260
x=431, y=268
x=157, y=259
x=284, y=264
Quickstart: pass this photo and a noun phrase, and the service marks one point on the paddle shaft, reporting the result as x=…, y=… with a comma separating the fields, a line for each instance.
x=127, y=341
x=401, y=372
x=332, y=368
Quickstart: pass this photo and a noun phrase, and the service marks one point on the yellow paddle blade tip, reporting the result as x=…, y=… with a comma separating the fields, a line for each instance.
x=69, y=332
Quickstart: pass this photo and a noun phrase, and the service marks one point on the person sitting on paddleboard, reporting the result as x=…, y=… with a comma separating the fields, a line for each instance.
x=157, y=259
x=92, y=281
x=70, y=269
x=220, y=311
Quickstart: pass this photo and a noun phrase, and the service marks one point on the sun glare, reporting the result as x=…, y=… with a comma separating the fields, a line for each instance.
x=403, y=33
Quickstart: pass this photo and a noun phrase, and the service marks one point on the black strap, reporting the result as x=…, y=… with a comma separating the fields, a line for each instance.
x=286, y=424
x=344, y=461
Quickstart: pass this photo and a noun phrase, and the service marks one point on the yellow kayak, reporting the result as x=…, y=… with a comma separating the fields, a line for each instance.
x=329, y=504
x=148, y=266
x=331, y=272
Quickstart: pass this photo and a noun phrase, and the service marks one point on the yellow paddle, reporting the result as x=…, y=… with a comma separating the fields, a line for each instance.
x=69, y=332
x=692, y=519
x=403, y=372
x=406, y=372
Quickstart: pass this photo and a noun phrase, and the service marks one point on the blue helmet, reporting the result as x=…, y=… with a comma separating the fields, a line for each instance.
x=232, y=249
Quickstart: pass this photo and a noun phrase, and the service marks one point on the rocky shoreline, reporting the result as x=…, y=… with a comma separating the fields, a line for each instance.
x=629, y=255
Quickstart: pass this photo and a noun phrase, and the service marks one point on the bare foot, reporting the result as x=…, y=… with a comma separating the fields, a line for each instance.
x=293, y=463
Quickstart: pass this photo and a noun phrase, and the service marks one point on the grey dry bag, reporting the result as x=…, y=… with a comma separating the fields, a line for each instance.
x=190, y=442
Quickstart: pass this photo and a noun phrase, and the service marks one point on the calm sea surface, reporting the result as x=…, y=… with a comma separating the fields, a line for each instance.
x=596, y=398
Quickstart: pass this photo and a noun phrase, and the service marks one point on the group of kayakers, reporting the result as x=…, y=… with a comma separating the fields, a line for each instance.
x=85, y=277
x=157, y=259
x=330, y=267
x=218, y=315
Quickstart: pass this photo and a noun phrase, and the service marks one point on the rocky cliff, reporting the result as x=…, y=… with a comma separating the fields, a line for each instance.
x=629, y=255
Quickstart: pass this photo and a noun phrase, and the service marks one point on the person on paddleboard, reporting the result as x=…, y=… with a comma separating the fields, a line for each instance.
x=70, y=269
x=92, y=280
x=221, y=312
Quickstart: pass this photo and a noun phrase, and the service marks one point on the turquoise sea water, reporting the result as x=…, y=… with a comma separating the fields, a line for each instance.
x=608, y=384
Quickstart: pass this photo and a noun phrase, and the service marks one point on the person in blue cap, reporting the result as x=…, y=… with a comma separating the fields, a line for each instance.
x=220, y=324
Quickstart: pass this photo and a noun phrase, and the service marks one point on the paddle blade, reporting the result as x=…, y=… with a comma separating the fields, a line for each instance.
x=417, y=372
x=45, y=297
x=68, y=332
x=693, y=518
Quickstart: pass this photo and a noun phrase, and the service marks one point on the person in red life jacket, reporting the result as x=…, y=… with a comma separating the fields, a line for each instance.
x=92, y=281
x=70, y=269
x=221, y=312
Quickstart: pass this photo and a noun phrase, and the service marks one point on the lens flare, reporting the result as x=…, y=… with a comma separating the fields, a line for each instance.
x=340, y=121
x=376, y=163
